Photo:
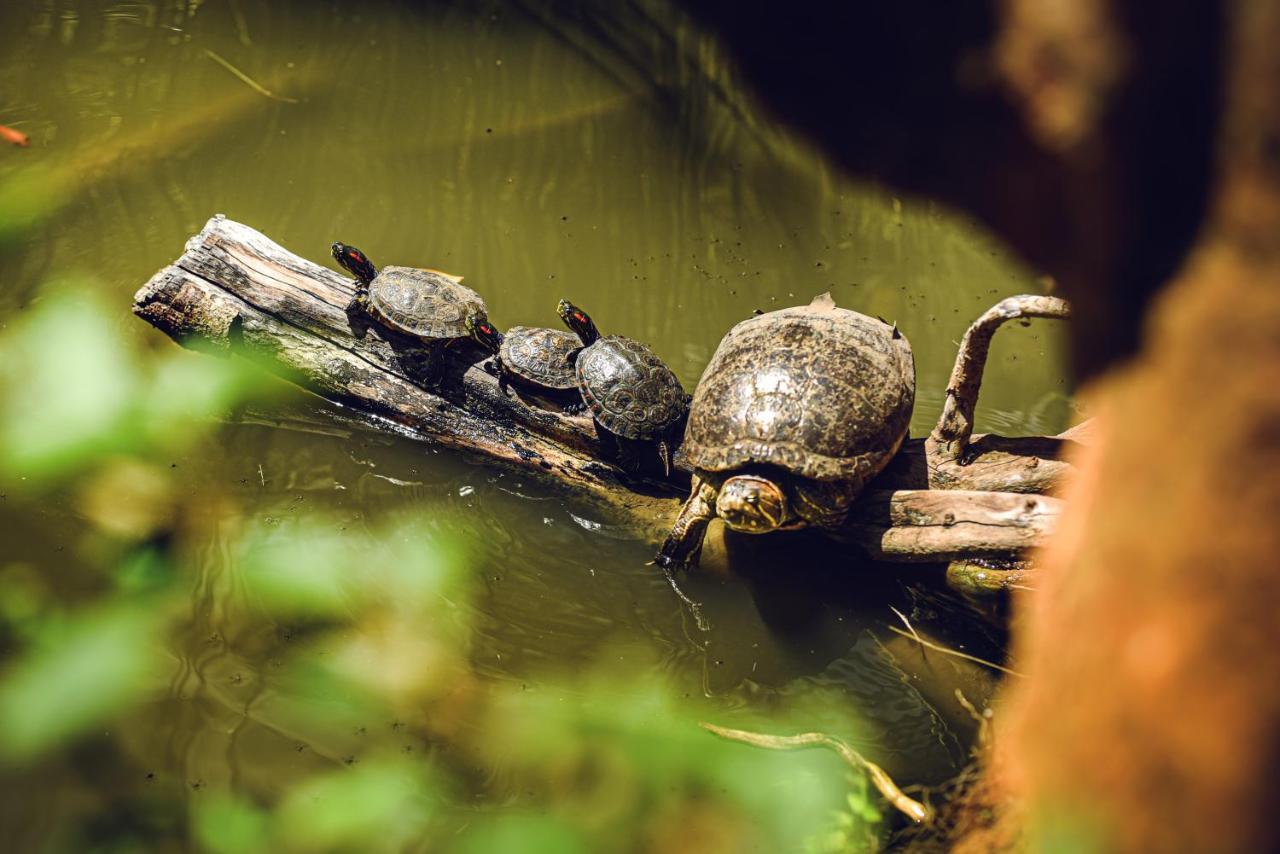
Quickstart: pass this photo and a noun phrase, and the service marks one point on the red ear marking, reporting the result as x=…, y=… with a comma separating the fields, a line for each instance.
x=353, y=254
x=577, y=315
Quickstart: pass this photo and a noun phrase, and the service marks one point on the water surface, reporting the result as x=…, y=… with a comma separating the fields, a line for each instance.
x=493, y=142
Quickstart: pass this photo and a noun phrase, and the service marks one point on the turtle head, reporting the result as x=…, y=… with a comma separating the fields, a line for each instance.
x=578, y=321
x=751, y=504
x=483, y=332
x=354, y=262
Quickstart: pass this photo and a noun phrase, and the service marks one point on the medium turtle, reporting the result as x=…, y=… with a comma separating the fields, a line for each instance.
x=631, y=394
x=539, y=359
x=797, y=410
x=424, y=304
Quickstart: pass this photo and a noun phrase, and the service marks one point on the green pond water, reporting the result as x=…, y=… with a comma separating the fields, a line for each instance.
x=541, y=157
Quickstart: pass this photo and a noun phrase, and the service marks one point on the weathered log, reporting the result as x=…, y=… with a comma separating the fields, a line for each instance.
x=940, y=524
x=234, y=290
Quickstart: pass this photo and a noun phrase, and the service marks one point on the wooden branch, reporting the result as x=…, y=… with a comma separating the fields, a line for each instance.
x=950, y=439
x=936, y=524
x=913, y=809
x=235, y=291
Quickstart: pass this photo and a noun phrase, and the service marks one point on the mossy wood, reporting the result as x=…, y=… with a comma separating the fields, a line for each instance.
x=234, y=290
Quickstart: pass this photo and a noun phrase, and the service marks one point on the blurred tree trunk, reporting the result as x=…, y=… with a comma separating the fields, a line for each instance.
x=1127, y=148
x=1162, y=593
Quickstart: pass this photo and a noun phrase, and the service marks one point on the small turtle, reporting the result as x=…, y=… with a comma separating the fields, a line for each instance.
x=797, y=410
x=539, y=359
x=631, y=394
x=424, y=304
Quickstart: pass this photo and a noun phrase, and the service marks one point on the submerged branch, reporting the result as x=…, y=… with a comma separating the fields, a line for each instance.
x=247, y=80
x=955, y=652
x=910, y=807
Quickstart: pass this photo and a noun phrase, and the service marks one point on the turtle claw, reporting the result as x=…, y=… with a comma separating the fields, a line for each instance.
x=666, y=562
x=575, y=408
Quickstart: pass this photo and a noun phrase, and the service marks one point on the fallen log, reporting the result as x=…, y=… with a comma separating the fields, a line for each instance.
x=235, y=291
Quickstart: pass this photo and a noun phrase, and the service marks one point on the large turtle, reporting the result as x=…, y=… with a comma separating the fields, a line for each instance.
x=539, y=359
x=797, y=410
x=633, y=397
x=423, y=304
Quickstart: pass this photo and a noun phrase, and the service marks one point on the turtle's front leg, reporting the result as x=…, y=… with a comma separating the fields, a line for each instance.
x=360, y=302
x=685, y=540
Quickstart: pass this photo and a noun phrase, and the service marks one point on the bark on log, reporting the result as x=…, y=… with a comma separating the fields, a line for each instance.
x=234, y=290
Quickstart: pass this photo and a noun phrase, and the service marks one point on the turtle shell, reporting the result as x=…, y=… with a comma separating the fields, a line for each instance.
x=422, y=303
x=628, y=389
x=543, y=357
x=820, y=391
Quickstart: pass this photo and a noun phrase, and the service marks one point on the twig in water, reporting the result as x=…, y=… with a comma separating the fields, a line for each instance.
x=905, y=622
x=247, y=80
x=955, y=652
x=242, y=26
x=983, y=718
x=910, y=807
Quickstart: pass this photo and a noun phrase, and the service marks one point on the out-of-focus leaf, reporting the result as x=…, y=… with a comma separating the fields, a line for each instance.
x=521, y=834
x=376, y=806
x=145, y=569
x=187, y=388
x=72, y=392
x=67, y=383
x=303, y=569
x=127, y=498
x=82, y=673
x=638, y=746
x=312, y=568
x=229, y=826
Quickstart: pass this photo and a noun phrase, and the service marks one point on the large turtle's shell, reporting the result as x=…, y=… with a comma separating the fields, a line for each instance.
x=540, y=356
x=628, y=388
x=422, y=303
x=821, y=391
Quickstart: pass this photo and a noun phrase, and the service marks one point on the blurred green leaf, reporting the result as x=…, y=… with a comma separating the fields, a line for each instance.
x=79, y=674
x=520, y=834
x=228, y=826
x=186, y=388
x=67, y=383
x=301, y=569
x=377, y=806
x=73, y=392
x=313, y=568
x=639, y=747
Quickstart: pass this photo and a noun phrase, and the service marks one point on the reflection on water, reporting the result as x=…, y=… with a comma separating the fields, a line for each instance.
x=540, y=162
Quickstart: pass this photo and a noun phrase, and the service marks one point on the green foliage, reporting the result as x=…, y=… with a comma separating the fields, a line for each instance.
x=225, y=825
x=381, y=806
x=521, y=834
x=73, y=392
x=610, y=755
x=379, y=631
x=80, y=671
x=313, y=568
